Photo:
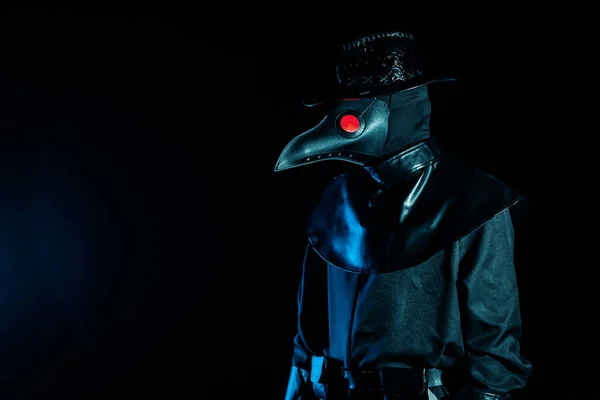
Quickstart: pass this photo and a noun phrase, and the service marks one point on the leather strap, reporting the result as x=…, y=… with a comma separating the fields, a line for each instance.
x=323, y=368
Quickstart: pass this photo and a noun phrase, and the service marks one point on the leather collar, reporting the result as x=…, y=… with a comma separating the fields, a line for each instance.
x=408, y=163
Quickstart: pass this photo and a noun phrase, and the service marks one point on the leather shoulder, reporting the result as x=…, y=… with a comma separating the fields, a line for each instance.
x=362, y=228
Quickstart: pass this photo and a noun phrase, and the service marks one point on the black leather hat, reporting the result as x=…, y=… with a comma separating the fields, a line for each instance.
x=377, y=64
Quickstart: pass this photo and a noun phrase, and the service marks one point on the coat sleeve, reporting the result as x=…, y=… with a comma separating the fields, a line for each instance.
x=312, y=335
x=490, y=312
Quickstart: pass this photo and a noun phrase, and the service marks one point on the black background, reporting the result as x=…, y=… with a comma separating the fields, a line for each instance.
x=147, y=247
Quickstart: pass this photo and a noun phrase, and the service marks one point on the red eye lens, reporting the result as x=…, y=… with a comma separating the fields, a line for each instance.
x=349, y=123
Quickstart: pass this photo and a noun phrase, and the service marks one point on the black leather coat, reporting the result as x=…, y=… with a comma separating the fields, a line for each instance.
x=412, y=266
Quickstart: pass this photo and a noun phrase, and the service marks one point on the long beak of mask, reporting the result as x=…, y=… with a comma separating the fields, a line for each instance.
x=353, y=131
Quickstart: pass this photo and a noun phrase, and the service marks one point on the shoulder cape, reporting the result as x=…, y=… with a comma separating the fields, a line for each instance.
x=360, y=228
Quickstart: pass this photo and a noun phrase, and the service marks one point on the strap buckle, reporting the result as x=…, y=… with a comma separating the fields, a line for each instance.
x=403, y=382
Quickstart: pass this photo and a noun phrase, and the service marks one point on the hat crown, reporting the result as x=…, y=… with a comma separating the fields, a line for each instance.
x=378, y=63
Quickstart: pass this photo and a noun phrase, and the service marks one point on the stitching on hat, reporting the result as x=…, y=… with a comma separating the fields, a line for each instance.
x=370, y=38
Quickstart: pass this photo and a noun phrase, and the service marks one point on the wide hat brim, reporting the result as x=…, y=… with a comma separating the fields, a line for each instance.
x=341, y=93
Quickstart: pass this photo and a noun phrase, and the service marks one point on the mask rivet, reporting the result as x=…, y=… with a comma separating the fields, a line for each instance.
x=308, y=159
x=350, y=155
